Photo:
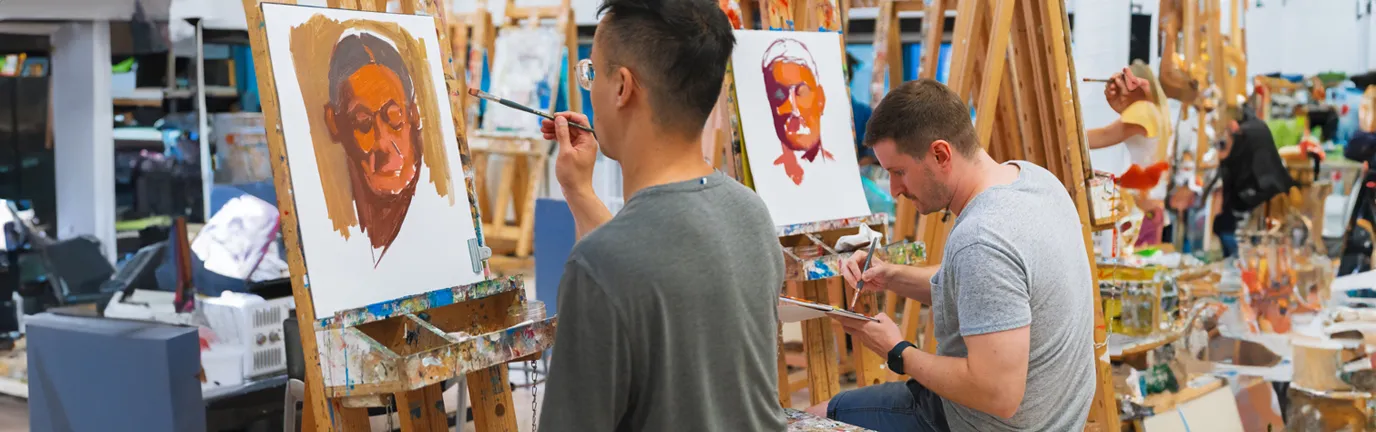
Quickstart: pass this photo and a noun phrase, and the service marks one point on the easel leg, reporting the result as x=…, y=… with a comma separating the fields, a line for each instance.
x=422, y=410
x=490, y=395
x=345, y=419
x=869, y=368
x=307, y=413
x=823, y=380
x=785, y=393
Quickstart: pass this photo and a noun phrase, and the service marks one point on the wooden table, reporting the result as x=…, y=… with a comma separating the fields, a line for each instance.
x=799, y=421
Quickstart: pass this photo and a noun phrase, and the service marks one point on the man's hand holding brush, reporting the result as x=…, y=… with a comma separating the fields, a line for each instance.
x=573, y=168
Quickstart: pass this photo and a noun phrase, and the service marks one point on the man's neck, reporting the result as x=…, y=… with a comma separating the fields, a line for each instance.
x=659, y=158
x=984, y=173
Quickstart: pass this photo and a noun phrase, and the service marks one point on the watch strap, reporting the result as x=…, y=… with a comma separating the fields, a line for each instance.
x=896, y=356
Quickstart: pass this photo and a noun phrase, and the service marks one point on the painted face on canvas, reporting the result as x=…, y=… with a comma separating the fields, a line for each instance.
x=915, y=179
x=372, y=116
x=378, y=132
x=796, y=101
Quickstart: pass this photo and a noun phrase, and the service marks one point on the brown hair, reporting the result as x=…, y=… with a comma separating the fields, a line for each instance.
x=919, y=112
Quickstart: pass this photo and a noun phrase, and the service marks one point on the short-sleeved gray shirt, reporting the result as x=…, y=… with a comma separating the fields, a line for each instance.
x=1016, y=257
x=668, y=317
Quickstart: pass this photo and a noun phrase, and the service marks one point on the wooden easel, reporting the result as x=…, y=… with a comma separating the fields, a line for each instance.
x=397, y=352
x=1012, y=60
x=812, y=265
x=888, y=50
x=520, y=160
x=472, y=37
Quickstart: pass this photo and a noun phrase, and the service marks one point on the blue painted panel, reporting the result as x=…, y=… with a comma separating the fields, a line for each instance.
x=555, y=235
x=912, y=55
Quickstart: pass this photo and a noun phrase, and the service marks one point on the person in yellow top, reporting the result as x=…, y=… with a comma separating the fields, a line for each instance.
x=1143, y=127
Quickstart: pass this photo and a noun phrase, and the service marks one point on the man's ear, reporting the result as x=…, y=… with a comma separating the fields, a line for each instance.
x=330, y=121
x=941, y=150
x=625, y=90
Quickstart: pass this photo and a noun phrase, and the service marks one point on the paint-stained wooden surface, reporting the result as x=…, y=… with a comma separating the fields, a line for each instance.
x=422, y=410
x=490, y=396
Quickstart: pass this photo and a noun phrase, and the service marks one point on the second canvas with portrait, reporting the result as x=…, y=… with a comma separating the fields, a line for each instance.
x=796, y=121
x=376, y=170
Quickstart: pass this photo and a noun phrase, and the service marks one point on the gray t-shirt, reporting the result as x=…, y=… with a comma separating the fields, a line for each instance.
x=668, y=317
x=1016, y=257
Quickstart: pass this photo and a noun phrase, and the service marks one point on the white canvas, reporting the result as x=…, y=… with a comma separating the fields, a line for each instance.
x=526, y=71
x=827, y=188
x=430, y=250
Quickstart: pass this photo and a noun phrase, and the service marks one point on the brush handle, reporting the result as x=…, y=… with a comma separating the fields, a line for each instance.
x=538, y=113
x=860, y=284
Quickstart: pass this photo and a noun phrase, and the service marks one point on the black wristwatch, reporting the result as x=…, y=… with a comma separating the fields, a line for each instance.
x=896, y=356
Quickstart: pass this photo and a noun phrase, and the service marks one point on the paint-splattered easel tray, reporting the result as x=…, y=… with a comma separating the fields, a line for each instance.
x=808, y=252
x=411, y=351
x=829, y=266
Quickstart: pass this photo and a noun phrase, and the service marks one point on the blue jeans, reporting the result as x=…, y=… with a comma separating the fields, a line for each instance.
x=1228, y=242
x=891, y=406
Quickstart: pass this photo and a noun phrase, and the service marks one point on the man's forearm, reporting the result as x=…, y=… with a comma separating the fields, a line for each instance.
x=915, y=283
x=588, y=211
x=952, y=379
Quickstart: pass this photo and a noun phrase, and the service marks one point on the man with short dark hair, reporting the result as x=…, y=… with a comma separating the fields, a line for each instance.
x=667, y=312
x=1011, y=298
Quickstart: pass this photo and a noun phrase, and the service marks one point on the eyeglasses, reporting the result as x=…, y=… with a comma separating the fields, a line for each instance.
x=364, y=119
x=585, y=74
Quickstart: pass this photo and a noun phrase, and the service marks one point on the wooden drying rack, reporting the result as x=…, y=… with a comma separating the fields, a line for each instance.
x=399, y=351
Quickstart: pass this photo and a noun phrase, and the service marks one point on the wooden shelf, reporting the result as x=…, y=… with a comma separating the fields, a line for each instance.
x=1123, y=346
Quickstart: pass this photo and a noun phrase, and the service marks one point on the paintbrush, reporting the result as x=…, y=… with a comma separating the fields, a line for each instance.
x=1097, y=80
x=860, y=284
x=484, y=95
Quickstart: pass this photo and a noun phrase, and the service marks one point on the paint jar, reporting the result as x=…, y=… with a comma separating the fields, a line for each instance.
x=533, y=310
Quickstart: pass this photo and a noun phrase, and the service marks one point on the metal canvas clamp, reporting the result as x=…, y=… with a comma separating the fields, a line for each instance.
x=478, y=254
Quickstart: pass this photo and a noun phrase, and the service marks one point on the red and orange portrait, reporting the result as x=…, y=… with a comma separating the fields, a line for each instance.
x=373, y=150
x=796, y=125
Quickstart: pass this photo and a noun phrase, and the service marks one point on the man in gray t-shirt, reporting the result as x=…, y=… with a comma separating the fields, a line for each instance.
x=668, y=312
x=1012, y=299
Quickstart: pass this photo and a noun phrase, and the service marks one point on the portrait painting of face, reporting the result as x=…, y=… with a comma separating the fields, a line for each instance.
x=376, y=170
x=797, y=125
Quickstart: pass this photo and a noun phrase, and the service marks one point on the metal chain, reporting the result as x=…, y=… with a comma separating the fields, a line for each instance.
x=531, y=376
x=390, y=409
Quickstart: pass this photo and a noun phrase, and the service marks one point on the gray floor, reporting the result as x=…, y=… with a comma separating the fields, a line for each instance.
x=14, y=414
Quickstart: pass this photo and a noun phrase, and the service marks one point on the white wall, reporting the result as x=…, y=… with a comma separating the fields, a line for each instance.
x=584, y=11
x=1307, y=37
x=83, y=145
x=1100, y=44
